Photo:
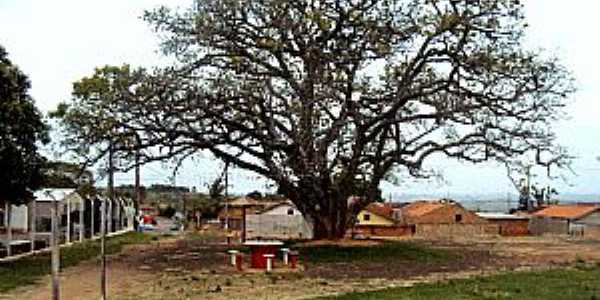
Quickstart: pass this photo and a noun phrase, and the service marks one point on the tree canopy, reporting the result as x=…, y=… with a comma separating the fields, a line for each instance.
x=329, y=98
x=92, y=119
x=21, y=129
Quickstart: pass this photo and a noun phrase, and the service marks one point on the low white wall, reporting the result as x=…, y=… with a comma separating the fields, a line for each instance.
x=278, y=226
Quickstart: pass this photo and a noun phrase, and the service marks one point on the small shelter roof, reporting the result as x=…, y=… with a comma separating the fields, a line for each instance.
x=49, y=195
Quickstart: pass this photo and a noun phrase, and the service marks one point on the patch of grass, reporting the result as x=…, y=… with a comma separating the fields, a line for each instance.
x=554, y=284
x=28, y=270
x=398, y=251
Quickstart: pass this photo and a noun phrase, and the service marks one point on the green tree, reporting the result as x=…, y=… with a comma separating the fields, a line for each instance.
x=59, y=174
x=90, y=121
x=21, y=131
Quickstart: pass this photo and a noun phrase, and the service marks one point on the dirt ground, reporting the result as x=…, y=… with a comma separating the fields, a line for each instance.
x=195, y=269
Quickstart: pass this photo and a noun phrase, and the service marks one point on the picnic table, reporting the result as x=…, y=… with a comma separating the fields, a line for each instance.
x=258, y=249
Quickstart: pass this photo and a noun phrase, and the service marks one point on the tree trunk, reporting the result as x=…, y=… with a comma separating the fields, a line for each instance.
x=328, y=211
x=325, y=229
x=330, y=225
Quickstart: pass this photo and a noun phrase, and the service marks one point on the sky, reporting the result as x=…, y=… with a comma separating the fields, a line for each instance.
x=57, y=42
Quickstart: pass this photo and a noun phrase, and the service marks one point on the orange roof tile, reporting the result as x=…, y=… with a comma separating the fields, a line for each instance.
x=566, y=211
x=420, y=208
x=381, y=209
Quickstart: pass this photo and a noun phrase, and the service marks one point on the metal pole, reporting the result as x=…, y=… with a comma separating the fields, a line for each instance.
x=55, y=251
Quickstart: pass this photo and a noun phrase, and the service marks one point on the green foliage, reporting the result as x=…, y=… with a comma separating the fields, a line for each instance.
x=208, y=206
x=555, y=284
x=29, y=270
x=21, y=129
x=88, y=120
x=59, y=174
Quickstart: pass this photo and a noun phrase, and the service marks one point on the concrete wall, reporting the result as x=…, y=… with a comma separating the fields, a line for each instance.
x=278, y=226
x=512, y=227
x=591, y=219
x=455, y=230
x=592, y=231
x=446, y=215
x=541, y=225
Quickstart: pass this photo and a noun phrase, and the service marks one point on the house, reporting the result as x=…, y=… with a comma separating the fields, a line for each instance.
x=376, y=214
x=508, y=224
x=380, y=220
x=438, y=212
x=574, y=219
x=280, y=220
x=444, y=218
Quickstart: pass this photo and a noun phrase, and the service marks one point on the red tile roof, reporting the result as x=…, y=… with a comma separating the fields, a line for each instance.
x=381, y=209
x=567, y=211
x=420, y=208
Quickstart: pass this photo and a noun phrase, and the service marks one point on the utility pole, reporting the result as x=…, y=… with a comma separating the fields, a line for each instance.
x=55, y=250
x=138, y=191
x=103, y=222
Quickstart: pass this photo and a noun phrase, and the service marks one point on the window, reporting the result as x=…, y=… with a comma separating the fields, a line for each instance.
x=290, y=211
x=458, y=218
x=366, y=217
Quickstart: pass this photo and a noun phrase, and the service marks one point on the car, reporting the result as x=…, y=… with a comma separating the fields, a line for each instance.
x=146, y=227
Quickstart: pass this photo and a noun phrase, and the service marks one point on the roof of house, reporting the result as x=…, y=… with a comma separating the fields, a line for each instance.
x=421, y=208
x=381, y=209
x=274, y=205
x=567, y=211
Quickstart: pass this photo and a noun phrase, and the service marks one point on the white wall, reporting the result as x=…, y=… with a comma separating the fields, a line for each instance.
x=278, y=226
x=19, y=217
x=283, y=210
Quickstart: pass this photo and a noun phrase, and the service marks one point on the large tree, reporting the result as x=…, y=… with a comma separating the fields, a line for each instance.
x=328, y=98
x=21, y=129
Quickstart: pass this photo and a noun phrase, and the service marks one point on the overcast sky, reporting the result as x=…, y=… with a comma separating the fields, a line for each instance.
x=57, y=42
